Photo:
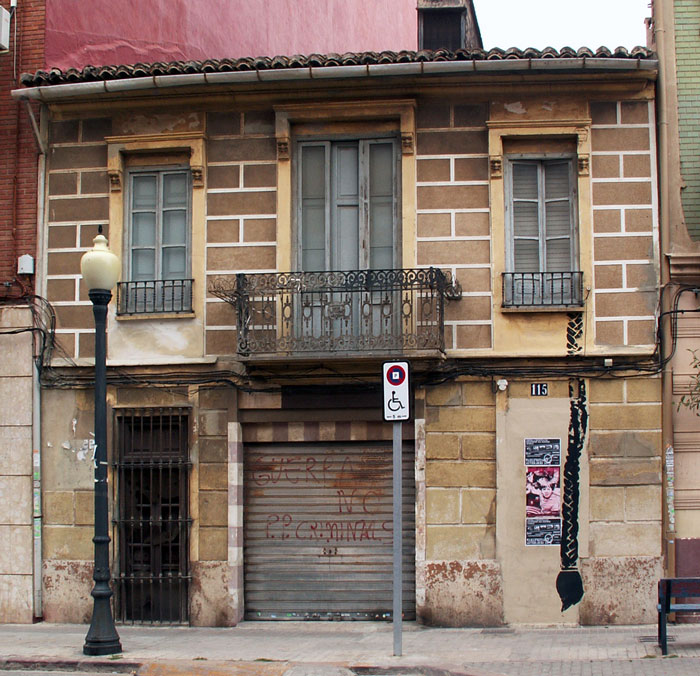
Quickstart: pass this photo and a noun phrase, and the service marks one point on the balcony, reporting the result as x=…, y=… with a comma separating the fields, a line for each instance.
x=357, y=312
x=542, y=289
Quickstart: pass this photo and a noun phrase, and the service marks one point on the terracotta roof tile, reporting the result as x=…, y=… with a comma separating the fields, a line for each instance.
x=55, y=76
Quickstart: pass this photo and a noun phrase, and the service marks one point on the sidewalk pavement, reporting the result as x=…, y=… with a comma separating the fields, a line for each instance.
x=359, y=648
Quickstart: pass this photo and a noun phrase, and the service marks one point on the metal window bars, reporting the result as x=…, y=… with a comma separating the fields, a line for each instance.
x=154, y=296
x=542, y=289
x=152, y=515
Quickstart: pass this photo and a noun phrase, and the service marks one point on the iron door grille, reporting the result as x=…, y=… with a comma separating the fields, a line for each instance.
x=153, y=515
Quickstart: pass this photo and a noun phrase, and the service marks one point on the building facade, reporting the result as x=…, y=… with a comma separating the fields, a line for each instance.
x=287, y=225
x=55, y=33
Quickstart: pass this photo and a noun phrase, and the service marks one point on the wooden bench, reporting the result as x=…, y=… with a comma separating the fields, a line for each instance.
x=675, y=588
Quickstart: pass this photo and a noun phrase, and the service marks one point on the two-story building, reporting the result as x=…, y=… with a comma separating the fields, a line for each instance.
x=287, y=224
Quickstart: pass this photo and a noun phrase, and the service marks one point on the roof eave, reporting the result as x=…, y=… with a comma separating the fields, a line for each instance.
x=66, y=91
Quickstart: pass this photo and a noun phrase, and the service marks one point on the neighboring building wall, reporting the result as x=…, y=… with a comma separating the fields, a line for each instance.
x=18, y=173
x=675, y=33
x=18, y=222
x=16, y=532
x=687, y=16
x=176, y=30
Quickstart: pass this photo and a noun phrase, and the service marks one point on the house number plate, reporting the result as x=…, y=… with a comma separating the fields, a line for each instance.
x=539, y=389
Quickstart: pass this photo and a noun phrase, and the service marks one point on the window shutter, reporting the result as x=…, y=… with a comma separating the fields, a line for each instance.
x=381, y=206
x=526, y=226
x=558, y=217
x=313, y=207
x=344, y=241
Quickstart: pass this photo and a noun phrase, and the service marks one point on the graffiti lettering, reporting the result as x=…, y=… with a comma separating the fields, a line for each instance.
x=284, y=527
x=357, y=497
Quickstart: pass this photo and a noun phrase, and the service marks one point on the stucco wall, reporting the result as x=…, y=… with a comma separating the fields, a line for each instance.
x=172, y=30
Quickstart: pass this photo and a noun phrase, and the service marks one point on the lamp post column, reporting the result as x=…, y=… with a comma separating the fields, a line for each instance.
x=102, y=637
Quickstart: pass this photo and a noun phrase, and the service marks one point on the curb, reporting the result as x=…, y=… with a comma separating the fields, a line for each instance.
x=48, y=664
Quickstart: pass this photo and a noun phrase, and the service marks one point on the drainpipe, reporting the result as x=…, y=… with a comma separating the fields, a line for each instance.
x=666, y=95
x=39, y=282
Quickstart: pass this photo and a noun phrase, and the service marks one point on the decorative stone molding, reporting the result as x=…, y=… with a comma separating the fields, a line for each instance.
x=496, y=166
x=282, y=148
x=685, y=267
x=197, y=176
x=407, y=146
x=115, y=180
x=583, y=165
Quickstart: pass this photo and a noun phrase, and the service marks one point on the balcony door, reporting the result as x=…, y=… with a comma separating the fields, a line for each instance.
x=347, y=221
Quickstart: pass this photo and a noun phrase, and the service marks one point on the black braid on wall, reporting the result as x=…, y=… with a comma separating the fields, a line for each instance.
x=569, y=582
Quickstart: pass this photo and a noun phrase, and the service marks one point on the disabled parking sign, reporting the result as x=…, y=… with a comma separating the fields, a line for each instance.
x=395, y=378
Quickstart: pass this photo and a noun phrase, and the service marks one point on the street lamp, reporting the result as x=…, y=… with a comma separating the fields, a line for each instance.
x=100, y=270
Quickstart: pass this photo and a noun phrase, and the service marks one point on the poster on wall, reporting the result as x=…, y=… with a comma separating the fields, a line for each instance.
x=542, y=492
x=542, y=452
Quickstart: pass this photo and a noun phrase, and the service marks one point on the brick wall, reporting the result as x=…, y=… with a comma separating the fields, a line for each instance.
x=18, y=170
x=241, y=209
x=453, y=213
x=78, y=204
x=624, y=222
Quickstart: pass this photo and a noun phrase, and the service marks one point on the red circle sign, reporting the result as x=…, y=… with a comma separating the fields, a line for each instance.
x=395, y=375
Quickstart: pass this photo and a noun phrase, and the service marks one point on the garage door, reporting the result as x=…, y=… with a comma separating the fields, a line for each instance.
x=318, y=531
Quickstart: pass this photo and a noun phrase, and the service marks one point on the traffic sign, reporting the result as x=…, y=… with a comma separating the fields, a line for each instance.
x=397, y=393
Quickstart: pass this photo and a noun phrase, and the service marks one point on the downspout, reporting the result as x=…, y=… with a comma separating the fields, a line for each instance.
x=39, y=284
x=663, y=22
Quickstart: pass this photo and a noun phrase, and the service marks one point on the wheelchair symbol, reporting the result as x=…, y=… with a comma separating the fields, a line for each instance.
x=394, y=404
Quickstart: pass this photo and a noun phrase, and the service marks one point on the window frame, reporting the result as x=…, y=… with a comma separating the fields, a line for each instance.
x=159, y=172
x=574, y=231
x=364, y=198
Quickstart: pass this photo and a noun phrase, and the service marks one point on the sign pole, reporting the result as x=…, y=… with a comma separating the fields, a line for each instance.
x=398, y=541
x=397, y=408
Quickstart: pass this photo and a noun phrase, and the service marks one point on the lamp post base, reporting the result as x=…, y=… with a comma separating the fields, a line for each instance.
x=112, y=648
x=102, y=637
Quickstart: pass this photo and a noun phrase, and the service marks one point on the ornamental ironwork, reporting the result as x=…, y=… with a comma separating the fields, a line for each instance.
x=339, y=312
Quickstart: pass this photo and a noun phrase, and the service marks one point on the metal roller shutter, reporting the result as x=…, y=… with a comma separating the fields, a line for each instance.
x=318, y=531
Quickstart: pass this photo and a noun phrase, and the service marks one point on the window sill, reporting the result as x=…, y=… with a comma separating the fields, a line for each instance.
x=541, y=308
x=155, y=315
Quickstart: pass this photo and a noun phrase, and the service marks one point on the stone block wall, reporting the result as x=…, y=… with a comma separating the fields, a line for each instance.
x=459, y=571
x=625, y=502
x=16, y=541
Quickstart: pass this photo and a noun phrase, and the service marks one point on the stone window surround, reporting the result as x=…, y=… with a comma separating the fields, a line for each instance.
x=400, y=113
x=192, y=144
x=579, y=130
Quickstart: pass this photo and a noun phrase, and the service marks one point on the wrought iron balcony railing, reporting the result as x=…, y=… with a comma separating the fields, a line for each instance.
x=156, y=296
x=334, y=313
x=542, y=289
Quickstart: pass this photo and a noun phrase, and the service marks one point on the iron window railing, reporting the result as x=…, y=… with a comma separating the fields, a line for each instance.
x=542, y=289
x=152, y=515
x=340, y=312
x=154, y=296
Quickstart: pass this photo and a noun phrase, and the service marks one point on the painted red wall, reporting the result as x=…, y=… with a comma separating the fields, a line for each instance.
x=108, y=32
x=18, y=149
